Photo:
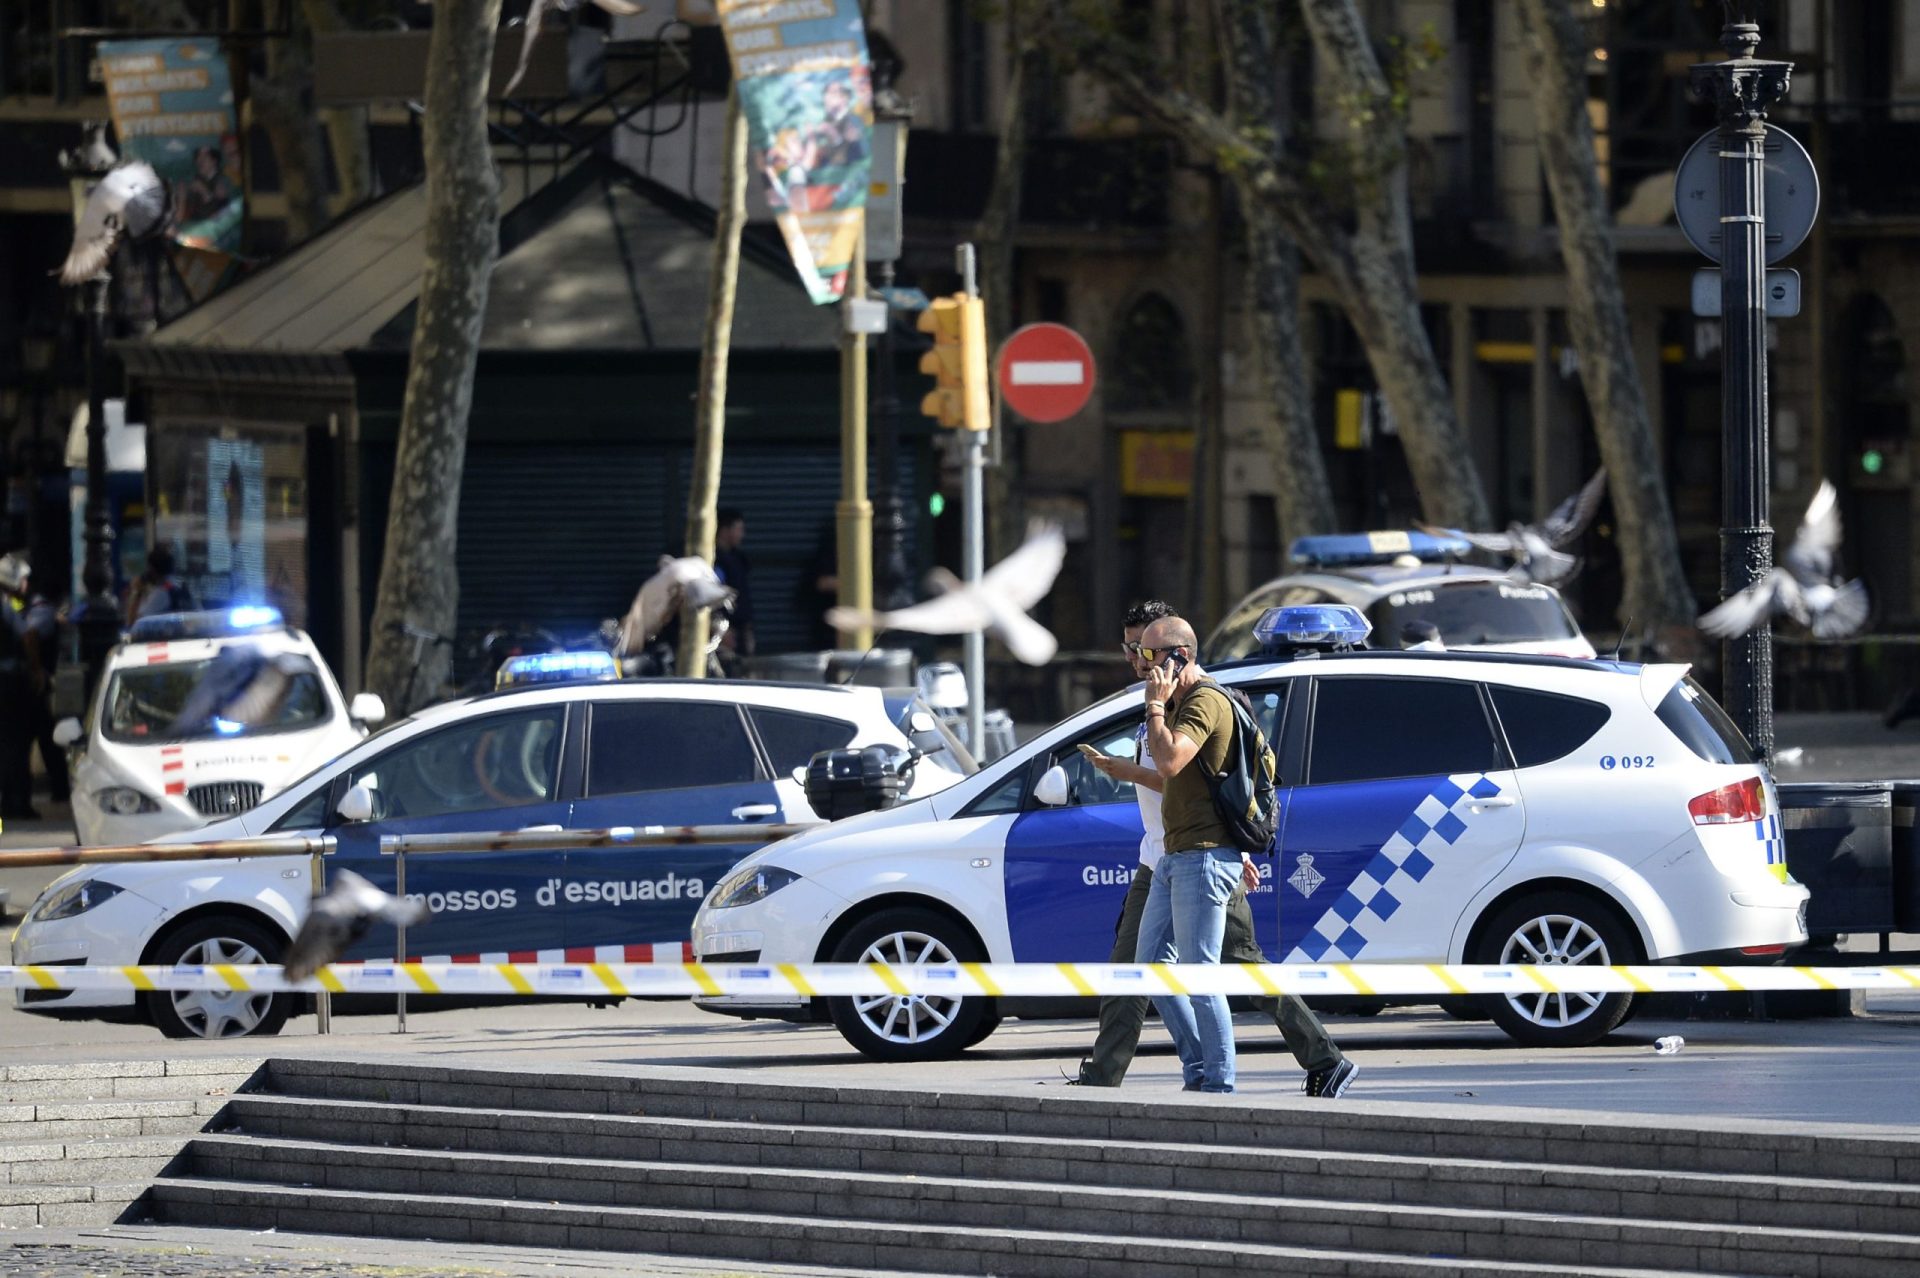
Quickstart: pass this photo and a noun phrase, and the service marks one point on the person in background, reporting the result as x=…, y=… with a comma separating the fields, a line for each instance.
x=156, y=590
x=19, y=692
x=819, y=588
x=730, y=564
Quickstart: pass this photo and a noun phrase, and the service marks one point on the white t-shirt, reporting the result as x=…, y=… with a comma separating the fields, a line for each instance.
x=1153, y=843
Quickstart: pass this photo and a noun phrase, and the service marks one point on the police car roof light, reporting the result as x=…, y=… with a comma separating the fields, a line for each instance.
x=168, y=626
x=557, y=667
x=1329, y=626
x=1338, y=549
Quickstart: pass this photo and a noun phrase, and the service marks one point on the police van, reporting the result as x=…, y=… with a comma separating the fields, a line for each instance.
x=1434, y=807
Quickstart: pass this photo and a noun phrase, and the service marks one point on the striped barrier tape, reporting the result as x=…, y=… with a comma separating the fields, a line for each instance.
x=785, y=980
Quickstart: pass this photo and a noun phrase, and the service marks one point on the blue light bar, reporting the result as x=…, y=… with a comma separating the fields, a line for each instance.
x=1336, y=549
x=169, y=626
x=1331, y=626
x=557, y=667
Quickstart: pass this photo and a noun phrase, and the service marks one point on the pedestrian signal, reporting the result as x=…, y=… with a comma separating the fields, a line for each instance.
x=958, y=362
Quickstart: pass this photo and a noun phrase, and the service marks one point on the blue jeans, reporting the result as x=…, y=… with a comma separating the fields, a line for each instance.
x=1185, y=922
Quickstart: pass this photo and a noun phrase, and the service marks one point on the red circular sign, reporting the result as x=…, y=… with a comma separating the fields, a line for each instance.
x=1045, y=373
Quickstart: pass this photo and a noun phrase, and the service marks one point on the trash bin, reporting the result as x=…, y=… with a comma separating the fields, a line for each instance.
x=1906, y=855
x=1840, y=841
x=875, y=668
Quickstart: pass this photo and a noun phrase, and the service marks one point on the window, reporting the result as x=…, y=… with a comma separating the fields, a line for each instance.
x=1543, y=726
x=501, y=761
x=309, y=814
x=239, y=691
x=1087, y=787
x=1373, y=729
x=792, y=739
x=1702, y=725
x=1007, y=797
x=667, y=745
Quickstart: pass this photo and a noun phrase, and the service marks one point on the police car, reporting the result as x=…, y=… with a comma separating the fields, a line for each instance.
x=1435, y=807
x=549, y=755
x=199, y=716
x=1398, y=578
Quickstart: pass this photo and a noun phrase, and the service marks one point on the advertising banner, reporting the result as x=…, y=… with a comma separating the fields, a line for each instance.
x=801, y=70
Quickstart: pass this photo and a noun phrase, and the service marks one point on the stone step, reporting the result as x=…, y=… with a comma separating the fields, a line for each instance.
x=86, y=1162
x=1167, y=1166
x=1352, y=1126
x=45, y=1121
x=125, y=1080
x=1252, y=1217
x=748, y=1237
x=56, y=1205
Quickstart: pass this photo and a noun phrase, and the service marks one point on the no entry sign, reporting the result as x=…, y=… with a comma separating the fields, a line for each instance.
x=1045, y=373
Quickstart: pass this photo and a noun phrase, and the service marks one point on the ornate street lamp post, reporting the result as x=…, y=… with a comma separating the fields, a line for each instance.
x=893, y=557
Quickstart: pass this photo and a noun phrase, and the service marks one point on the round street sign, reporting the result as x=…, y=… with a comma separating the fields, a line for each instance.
x=1791, y=190
x=1045, y=373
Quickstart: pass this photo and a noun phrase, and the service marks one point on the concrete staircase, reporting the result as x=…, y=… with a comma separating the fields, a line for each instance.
x=80, y=1142
x=1038, y=1183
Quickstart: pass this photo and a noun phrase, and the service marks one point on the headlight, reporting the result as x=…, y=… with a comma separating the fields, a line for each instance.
x=755, y=883
x=124, y=801
x=74, y=898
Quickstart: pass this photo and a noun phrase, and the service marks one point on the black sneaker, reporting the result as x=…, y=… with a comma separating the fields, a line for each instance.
x=1332, y=1082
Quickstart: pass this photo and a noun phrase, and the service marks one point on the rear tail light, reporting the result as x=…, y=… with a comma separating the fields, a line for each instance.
x=1752, y=951
x=1730, y=804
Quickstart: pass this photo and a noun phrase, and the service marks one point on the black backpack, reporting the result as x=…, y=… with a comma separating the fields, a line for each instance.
x=1243, y=790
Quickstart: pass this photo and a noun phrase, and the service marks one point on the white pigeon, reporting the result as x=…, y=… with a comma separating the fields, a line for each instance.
x=342, y=916
x=997, y=605
x=531, y=29
x=679, y=583
x=1538, y=550
x=1804, y=588
x=130, y=203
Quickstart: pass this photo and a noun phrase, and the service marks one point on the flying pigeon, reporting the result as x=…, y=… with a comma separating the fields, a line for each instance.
x=1805, y=588
x=242, y=687
x=343, y=916
x=679, y=583
x=130, y=203
x=94, y=155
x=997, y=605
x=538, y=9
x=1538, y=550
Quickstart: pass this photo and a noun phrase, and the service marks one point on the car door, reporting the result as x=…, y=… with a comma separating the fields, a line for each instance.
x=662, y=763
x=789, y=739
x=489, y=772
x=1408, y=805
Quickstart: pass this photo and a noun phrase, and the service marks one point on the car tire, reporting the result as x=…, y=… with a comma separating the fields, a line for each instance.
x=219, y=938
x=1560, y=928
x=1464, y=1007
x=887, y=1027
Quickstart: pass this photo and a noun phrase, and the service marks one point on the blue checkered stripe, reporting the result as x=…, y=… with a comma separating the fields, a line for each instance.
x=1393, y=875
x=1772, y=842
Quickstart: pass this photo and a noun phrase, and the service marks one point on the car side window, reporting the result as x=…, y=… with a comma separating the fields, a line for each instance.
x=636, y=746
x=1373, y=729
x=1086, y=786
x=1007, y=797
x=500, y=761
x=1544, y=726
x=308, y=814
x=792, y=739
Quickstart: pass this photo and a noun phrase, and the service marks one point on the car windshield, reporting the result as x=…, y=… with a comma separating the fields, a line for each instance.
x=1471, y=613
x=238, y=692
x=929, y=733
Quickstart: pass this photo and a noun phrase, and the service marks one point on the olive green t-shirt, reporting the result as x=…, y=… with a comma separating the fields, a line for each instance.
x=1186, y=805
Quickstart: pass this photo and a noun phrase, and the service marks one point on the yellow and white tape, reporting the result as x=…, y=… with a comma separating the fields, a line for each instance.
x=781, y=982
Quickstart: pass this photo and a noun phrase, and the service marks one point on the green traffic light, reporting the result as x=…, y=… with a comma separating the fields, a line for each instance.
x=1873, y=461
x=936, y=505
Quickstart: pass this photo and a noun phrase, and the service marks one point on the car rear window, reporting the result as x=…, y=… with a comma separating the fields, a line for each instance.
x=1374, y=729
x=792, y=739
x=1698, y=720
x=1544, y=726
x=1473, y=612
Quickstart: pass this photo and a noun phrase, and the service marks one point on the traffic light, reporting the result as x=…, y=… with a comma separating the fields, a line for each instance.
x=958, y=362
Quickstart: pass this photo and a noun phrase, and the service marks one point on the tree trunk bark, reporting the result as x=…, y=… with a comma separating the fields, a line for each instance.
x=419, y=581
x=1656, y=593
x=710, y=410
x=1006, y=524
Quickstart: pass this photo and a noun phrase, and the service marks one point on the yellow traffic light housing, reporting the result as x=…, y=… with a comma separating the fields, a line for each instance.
x=958, y=362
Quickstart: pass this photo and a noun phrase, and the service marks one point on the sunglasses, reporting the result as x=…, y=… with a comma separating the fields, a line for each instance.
x=1156, y=655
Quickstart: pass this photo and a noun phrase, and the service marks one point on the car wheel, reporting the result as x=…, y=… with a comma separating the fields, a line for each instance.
x=1463, y=1007
x=893, y=1027
x=1560, y=929
x=206, y=942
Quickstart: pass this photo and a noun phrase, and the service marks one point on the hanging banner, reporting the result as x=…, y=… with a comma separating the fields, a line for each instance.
x=801, y=70
x=172, y=105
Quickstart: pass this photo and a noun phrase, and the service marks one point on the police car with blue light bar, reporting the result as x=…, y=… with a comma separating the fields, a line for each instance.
x=1413, y=590
x=1435, y=807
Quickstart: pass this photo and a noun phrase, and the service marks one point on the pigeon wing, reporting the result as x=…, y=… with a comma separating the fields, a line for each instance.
x=1845, y=615
x=529, y=33
x=958, y=612
x=94, y=238
x=1810, y=557
x=1028, y=640
x=1492, y=543
x=1744, y=610
x=1024, y=577
x=622, y=8
x=1571, y=517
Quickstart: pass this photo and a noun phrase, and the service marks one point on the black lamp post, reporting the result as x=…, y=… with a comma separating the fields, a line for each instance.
x=892, y=528
x=1742, y=88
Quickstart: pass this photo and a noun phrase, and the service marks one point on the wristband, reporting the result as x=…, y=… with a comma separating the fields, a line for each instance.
x=1156, y=705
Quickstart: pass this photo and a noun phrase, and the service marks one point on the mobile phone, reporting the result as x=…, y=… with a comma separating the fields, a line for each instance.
x=1176, y=662
x=1089, y=751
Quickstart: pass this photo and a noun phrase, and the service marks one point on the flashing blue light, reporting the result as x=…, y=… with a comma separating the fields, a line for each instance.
x=253, y=617
x=170, y=626
x=557, y=667
x=1337, y=549
x=1331, y=626
x=228, y=728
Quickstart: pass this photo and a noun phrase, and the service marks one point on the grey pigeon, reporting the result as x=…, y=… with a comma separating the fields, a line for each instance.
x=242, y=685
x=1804, y=587
x=1538, y=550
x=531, y=30
x=680, y=583
x=341, y=917
x=130, y=203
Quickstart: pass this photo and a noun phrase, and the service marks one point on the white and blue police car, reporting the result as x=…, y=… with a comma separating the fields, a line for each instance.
x=1434, y=807
x=562, y=746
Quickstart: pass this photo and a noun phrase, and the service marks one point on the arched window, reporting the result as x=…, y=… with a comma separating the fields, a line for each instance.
x=1152, y=366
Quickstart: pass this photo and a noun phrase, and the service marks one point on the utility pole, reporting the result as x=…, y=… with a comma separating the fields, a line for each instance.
x=973, y=531
x=893, y=567
x=853, y=517
x=1742, y=88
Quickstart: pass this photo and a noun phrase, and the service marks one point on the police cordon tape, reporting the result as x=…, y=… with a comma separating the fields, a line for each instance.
x=785, y=980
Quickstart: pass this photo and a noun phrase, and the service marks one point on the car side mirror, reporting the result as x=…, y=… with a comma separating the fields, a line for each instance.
x=67, y=733
x=358, y=803
x=367, y=708
x=1052, y=788
x=800, y=775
